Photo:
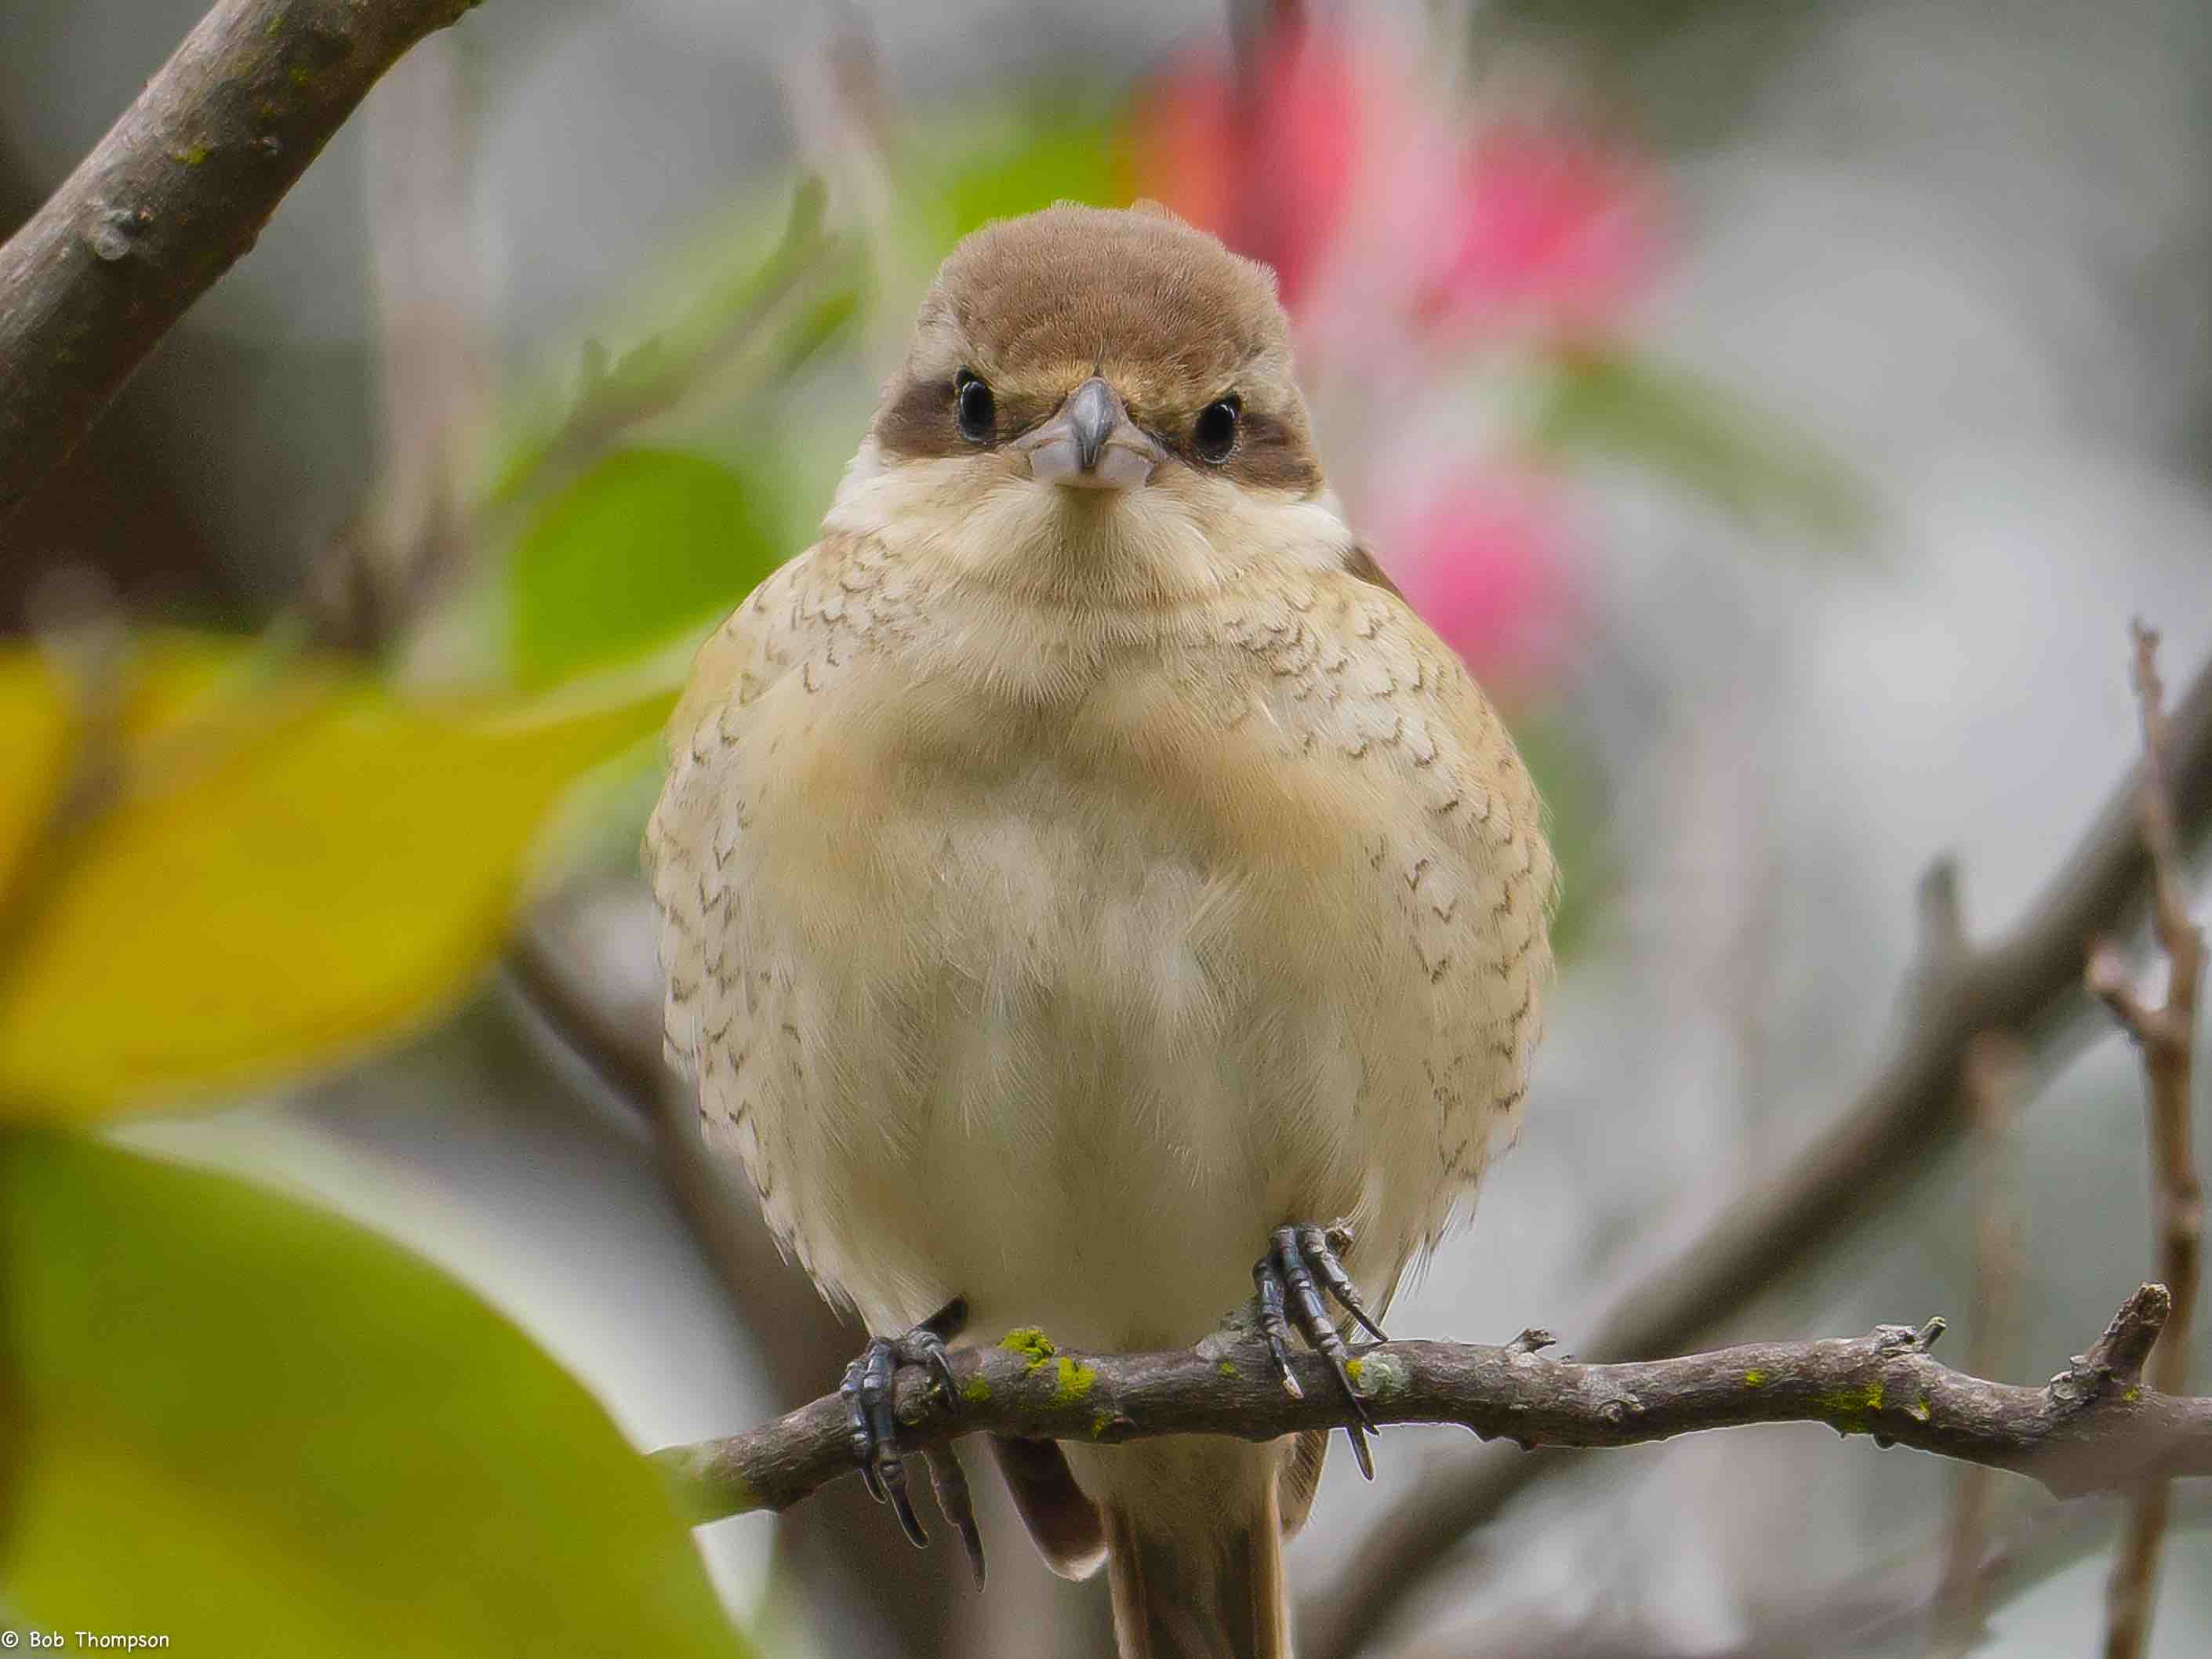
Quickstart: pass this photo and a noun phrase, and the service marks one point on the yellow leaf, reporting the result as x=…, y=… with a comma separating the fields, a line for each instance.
x=302, y=862
x=34, y=733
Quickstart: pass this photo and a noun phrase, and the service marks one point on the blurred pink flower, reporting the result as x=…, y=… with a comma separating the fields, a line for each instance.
x=1555, y=228
x=1271, y=167
x=1341, y=153
x=1485, y=560
x=1420, y=238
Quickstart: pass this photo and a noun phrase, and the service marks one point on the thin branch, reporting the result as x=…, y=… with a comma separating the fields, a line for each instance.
x=407, y=545
x=757, y=318
x=171, y=199
x=2166, y=1035
x=79, y=628
x=2091, y=1428
x=572, y=993
x=2028, y=984
x=1880, y=1609
x=1989, y=1083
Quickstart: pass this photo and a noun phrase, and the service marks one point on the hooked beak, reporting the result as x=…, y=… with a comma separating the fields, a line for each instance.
x=1090, y=443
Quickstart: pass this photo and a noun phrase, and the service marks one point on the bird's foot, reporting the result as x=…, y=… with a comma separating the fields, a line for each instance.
x=870, y=1418
x=1301, y=1262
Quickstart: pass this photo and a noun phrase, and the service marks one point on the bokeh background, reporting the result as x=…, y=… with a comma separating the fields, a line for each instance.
x=1783, y=407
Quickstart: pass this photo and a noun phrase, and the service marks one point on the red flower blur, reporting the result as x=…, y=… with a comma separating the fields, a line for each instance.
x=1271, y=167
x=1422, y=243
x=1488, y=219
x=1556, y=228
x=1491, y=557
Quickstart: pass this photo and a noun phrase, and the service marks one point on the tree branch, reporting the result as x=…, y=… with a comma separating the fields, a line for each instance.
x=172, y=196
x=2166, y=1035
x=2090, y=1428
x=1990, y=1079
x=573, y=994
x=2024, y=984
x=1880, y=1609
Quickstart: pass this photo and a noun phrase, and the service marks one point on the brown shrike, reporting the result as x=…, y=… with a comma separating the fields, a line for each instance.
x=1082, y=873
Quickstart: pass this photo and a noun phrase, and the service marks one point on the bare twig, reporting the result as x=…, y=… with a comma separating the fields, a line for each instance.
x=758, y=317
x=1879, y=1610
x=2166, y=1035
x=1990, y=1079
x=567, y=986
x=2091, y=1428
x=2028, y=983
x=1254, y=23
x=170, y=199
x=81, y=629
x=406, y=544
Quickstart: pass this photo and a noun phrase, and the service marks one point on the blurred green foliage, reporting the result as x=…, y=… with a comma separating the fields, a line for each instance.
x=260, y=1430
x=1702, y=438
x=742, y=305
x=646, y=543
x=290, y=866
x=1064, y=148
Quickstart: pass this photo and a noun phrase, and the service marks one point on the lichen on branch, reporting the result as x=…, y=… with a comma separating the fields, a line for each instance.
x=2092, y=1427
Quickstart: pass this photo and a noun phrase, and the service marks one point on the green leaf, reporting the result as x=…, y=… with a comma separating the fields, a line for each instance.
x=1044, y=156
x=260, y=1430
x=721, y=311
x=1677, y=424
x=299, y=863
x=644, y=544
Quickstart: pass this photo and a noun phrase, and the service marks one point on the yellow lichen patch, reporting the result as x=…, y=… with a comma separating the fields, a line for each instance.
x=1353, y=1366
x=1850, y=1411
x=1073, y=1381
x=1228, y=1368
x=191, y=156
x=1918, y=1410
x=976, y=1391
x=1031, y=1343
x=1754, y=1378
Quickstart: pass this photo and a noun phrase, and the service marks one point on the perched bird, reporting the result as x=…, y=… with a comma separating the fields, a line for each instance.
x=1083, y=875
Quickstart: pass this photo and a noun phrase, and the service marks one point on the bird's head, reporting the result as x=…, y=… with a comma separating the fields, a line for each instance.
x=1097, y=391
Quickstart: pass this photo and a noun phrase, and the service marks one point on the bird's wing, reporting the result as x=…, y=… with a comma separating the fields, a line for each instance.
x=1453, y=858
x=809, y=619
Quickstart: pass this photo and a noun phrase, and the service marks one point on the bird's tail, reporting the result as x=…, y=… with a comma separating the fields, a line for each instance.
x=1199, y=1575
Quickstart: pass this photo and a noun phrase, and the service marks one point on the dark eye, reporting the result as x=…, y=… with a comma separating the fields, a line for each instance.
x=1215, y=433
x=978, y=412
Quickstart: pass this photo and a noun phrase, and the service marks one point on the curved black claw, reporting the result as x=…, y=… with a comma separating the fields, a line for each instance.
x=1320, y=1249
x=955, y=1505
x=871, y=1421
x=1284, y=1279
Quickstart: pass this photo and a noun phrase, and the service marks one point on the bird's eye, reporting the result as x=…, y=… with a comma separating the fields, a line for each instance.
x=1215, y=434
x=978, y=412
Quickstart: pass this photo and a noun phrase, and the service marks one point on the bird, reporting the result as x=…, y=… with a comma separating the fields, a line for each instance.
x=1092, y=898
